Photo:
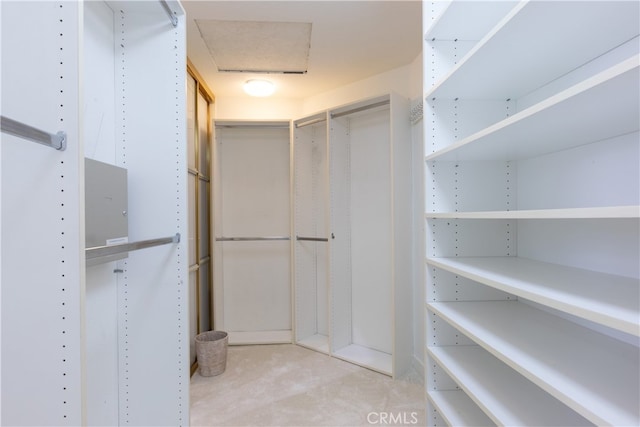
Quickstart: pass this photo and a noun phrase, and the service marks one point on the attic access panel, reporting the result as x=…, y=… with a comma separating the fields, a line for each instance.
x=254, y=46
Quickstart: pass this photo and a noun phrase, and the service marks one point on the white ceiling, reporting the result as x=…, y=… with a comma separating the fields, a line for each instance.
x=350, y=41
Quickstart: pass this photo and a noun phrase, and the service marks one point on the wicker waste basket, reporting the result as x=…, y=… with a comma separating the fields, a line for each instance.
x=211, y=352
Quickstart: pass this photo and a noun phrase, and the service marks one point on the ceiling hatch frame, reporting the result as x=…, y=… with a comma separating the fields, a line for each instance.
x=257, y=46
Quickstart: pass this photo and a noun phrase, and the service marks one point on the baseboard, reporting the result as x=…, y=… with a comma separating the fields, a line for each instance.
x=260, y=337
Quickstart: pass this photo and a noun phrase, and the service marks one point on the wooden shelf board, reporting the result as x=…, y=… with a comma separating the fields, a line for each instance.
x=458, y=409
x=367, y=357
x=601, y=107
x=505, y=395
x=595, y=375
x=605, y=212
x=610, y=300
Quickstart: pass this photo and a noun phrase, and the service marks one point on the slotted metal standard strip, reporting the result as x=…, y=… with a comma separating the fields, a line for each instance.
x=21, y=130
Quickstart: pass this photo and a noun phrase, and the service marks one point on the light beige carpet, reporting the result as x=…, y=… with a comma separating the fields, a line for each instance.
x=288, y=385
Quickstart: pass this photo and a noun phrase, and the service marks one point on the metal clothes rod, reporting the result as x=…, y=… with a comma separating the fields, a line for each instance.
x=312, y=239
x=311, y=122
x=357, y=110
x=172, y=16
x=250, y=239
x=243, y=126
x=16, y=128
x=101, y=251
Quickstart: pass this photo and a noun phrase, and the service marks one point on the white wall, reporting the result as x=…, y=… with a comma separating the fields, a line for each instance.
x=248, y=108
x=396, y=80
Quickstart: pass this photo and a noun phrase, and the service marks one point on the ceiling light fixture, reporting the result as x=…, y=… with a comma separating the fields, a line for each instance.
x=257, y=87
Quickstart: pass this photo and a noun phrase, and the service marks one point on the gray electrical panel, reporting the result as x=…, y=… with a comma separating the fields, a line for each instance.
x=105, y=208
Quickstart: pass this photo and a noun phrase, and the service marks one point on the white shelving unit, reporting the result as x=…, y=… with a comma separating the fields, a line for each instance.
x=554, y=285
x=507, y=397
x=370, y=244
x=311, y=219
x=545, y=349
x=457, y=409
x=252, y=224
x=352, y=211
x=532, y=211
x=106, y=344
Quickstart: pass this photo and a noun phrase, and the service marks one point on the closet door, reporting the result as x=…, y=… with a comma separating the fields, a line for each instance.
x=199, y=132
x=254, y=226
x=193, y=173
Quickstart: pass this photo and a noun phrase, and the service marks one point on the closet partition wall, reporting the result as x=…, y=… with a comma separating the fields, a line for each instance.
x=252, y=290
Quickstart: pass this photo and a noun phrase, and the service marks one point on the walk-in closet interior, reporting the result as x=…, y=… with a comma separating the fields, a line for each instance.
x=446, y=190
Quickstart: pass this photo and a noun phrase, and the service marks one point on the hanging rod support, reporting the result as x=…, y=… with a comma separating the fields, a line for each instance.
x=21, y=130
x=250, y=239
x=312, y=239
x=100, y=251
x=172, y=16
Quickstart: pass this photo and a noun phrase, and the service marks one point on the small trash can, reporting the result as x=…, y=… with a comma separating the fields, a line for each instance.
x=211, y=352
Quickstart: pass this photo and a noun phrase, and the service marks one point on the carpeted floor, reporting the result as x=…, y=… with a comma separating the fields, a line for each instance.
x=288, y=385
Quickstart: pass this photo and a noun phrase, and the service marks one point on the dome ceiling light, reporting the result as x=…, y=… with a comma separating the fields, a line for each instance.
x=259, y=87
